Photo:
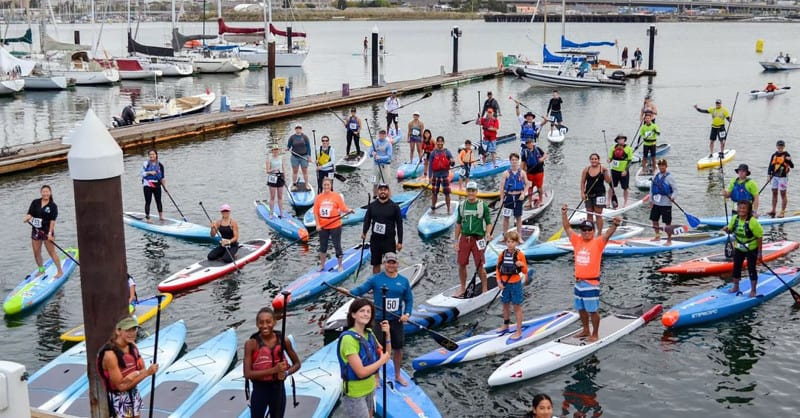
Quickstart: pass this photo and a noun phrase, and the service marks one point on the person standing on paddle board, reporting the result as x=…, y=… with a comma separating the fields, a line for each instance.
x=533, y=158
x=779, y=166
x=441, y=161
x=593, y=189
x=152, y=174
x=415, y=129
x=542, y=404
x=649, y=133
x=554, y=111
x=328, y=210
x=473, y=230
x=719, y=115
x=366, y=46
x=466, y=157
x=662, y=194
x=619, y=157
x=275, y=180
x=399, y=300
x=42, y=214
x=229, y=232
x=325, y=159
x=489, y=125
x=512, y=270
x=360, y=358
x=748, y=239
x=490, y=103
x=428, y=145
x=648, y=107
x=121, y=369
x=391, y=105
x=385, y=219
x=265, y=365
x=588, y=256
x=300, y=148
x=512, y=192
x=353, y=126
x=381, y=153
x=529, y=129
x=743, y=188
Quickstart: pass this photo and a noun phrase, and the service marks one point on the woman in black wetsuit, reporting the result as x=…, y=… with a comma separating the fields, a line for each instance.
x=42, y=214
x=593, y=189
x=229, y=231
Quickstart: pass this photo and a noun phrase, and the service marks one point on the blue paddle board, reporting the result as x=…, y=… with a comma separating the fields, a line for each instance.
x=285, y=224
x=432, y=223
x=403, y=401
x=171, y=227
x=36, y=288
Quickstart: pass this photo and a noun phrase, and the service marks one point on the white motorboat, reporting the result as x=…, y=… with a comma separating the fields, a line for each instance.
x=781, y=65
x=567, y=76
x=175, y=107
x=257, y=55
x=10, y=86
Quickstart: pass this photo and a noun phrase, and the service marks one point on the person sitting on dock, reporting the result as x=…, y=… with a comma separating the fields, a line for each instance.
x=300, y=147
x=718, y=116
x=391, y=105
x=770, y=87
x=490, y=125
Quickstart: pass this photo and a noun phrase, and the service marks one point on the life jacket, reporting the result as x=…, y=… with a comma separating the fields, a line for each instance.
x=528, y=131
x=619, y=153
x=440, y=161
x=531, y=157
x=428, y=146
x=515, y=181
x=152, y=179
x=743, y=245
x=128, y=363
x=480, y=209
x=660, y=186
x=740, y=193
x=324, y=156
x=368, y=353
x=508, y=266
x=779, y=166
x=265, y=358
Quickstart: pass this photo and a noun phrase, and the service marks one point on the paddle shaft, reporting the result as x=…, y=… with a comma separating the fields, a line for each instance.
x=272, y=255
x=164, y=186
x=363, y=240
x=286, y=295
x=316, y=157
x=614, y=200
x=474, y=325
x=155, y=353
x=561, y=230
x=424, y=96
x=765, y=185
x=623, y=220
x=795, y=295
x=385, y=290
x=57, y=246
x=335, y=114
x=227, y=248
x=693, y=221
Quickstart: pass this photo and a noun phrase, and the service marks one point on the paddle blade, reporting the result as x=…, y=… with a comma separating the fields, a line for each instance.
x=471, y=329
x=443, y=341
x=366, y=142
x=340, y=177
x=467, y=121
x=426, y=95
x=557, y=235
x=614, y=201
x=694, y=222
x=795, y=296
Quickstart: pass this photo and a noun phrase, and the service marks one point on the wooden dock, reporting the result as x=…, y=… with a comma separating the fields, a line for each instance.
x=31, y=156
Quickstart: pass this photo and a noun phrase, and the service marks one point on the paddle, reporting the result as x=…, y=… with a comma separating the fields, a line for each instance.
x=672, y=229
x=336, y=175
x=614, y=200
x=337, y=115
x=164, y=186
x=316, y=157
x=693, y=221
x=638, y=138
x=474, y=325
x=155, y=353
x=227, y=248
x=782, y=88
x=544, y=118
x=561, y=230
x=440, y=339
x=363, y=240
x=424, y=96
x=795, y=295
x=481, y=149
x=765, y=185
x=274, y=254
x=286, y=295
x=56, y=245
x=728, y=242
x=385, y=290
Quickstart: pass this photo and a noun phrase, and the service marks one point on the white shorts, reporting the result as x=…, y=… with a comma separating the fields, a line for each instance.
x=780, y=183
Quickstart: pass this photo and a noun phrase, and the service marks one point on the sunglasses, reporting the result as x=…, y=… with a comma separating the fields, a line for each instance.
x=390, y=262
x=325, y=140
x=587, y=229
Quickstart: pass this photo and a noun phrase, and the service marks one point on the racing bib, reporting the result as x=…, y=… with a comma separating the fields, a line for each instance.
x=600, y=200
x=656, y=198
x=415, y=132
x=353, y=126
x=481, y=244
x=562, y=130
x=677, y=231
x=392, y=304
x=37, y=222
x=325, y=210
x=551, y=118
x=373, y=179
x=273, y=178
x=507, y=212
x=379, y=228
x=462, y=172
x=330, y=175
x=615, y=163
x=722, y=133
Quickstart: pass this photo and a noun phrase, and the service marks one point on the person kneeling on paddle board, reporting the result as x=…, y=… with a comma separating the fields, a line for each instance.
x=360, y=358
x=743, y=188
x=662, y=194
x=229, y=233
x=748, y=236
x=399, y=300
x=265, y=365
x=718, y=116
x=121, y=369
x=588, y=255
x=512, y=270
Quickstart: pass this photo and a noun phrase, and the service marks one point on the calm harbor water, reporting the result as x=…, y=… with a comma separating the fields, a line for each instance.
x=745, y=366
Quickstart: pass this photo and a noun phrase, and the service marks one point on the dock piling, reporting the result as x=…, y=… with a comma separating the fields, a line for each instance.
x=651, y=32
x=375, y=56
x=270, y=67
x=455, y=33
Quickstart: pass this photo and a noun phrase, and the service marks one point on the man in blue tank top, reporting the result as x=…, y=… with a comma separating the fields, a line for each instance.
x=300, y=148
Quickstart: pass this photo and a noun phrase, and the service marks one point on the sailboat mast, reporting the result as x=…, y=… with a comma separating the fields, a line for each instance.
x=563, y=24
x=173, y=14
x=544, y=13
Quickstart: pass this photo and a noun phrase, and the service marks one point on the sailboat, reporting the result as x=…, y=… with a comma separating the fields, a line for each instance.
x=32, y=73
x=206, y=58
x=11, y=81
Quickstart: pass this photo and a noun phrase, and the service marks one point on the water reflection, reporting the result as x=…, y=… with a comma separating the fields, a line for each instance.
x=581, y=395
x=740, y=350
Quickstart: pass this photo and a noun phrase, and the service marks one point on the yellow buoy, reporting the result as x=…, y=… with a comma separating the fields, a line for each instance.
x=759, y=46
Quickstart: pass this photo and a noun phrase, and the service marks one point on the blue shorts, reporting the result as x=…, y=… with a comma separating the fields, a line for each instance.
x=490, y=146
x=512, y=202
x=556, y=116
x=512, y=293
x=587, y=296
x=299, y=161
x=415, y=139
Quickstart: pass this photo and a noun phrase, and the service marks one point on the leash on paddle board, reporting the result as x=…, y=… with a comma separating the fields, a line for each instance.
x=672, y=229
x=385, y=290
x=286, y=294
x=363, y=241
x=164, y=186
x=226, y=247
x=39, y=230
x=424, y=96
x=795, y=295
x=614, y=200
x=440, y=339
x=155, y=353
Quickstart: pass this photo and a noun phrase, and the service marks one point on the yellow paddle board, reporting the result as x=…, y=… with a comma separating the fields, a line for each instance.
x=143, y=311
x=714, y=161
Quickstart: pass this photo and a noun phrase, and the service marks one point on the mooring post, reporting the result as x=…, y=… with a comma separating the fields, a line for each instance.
x=375, y=56
x=270, y=67
x=289, y=39
x=652, y=32
x=76, y=37
x=95, y=165
x=455, y=33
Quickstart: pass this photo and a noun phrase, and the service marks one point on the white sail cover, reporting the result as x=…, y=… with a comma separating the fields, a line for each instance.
x=9, y=62
x=51, y=44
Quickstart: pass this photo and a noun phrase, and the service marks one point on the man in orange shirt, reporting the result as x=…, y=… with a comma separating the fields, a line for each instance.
x=588, y=253
x=329, y=208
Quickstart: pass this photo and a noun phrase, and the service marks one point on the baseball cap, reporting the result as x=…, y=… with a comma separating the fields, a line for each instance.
x=394, y=91
x=718, y=101
x=382, y=131
x=390, y=256
x=127, y=323
x=298, y=126
x=276, y=146
x=225, y=207
x=415, y=114
x=383, y=186
x=530, y=114
x=780, y=143
x=472, y=185
x=587, y=225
